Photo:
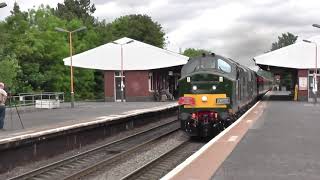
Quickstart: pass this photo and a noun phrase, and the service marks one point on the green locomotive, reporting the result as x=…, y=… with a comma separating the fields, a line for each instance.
x=213, y=91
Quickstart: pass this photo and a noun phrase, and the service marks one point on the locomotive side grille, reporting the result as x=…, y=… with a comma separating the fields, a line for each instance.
x=210, y=100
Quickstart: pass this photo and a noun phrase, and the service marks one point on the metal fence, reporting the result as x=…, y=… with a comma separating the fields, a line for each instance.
x=29, y=99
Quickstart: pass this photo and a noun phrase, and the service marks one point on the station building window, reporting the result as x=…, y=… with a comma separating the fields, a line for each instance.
x=151, y=82
x=118, y=74
x=312, y=71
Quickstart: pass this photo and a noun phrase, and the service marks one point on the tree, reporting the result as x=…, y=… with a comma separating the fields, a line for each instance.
x=31, y=51
x=80, y=9
x=96, y=34
x=32, y=41
x=39, y=50
x=284, y=40
x=191, y=52
x=9, y=69
x=138, y=27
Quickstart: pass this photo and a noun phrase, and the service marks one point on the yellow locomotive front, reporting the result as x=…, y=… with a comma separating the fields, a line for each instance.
x=206, y=92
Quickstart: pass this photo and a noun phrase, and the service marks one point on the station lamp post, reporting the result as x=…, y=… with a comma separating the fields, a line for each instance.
x=315, y=85
x=70, y=48
x=3, y=4
x=317, y=26
x=121, y=71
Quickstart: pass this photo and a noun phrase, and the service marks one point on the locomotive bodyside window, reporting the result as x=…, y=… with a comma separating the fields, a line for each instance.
x=224, y=66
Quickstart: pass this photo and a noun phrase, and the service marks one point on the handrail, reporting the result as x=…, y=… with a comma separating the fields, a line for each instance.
x=29, y=99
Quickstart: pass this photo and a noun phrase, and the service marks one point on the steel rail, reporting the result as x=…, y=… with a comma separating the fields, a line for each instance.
x=157, y=168
x=90, y=157
x=105, y=162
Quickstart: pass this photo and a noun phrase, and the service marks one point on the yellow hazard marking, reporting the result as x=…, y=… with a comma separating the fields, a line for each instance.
x=210, y=103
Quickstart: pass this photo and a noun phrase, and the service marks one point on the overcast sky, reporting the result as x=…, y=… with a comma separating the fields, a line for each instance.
x=239, y=29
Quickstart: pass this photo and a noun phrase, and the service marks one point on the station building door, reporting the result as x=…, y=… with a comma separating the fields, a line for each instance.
x=311, y=95
x=117, y=82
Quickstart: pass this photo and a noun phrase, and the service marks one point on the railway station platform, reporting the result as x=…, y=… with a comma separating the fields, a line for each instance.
x=38, y=120
x=50, y=132
x=273, y=140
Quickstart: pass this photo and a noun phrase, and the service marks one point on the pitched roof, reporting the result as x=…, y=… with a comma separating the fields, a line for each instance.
x=300, y=55
x=136, y=56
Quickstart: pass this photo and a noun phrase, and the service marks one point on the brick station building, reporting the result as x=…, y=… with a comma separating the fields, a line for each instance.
x=296, y=62
x=146, y=69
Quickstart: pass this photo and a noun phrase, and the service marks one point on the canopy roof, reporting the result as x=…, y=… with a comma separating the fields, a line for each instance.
x=301, y=55
x=136, y=56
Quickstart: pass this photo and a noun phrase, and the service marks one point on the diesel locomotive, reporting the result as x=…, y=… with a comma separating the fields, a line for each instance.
x=214, y=91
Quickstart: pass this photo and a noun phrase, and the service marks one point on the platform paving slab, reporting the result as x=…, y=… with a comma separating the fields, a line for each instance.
x=35, y=120
x=283, y=144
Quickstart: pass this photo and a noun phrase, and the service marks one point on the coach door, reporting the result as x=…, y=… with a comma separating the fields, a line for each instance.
x=238, y=87
x=118, y=92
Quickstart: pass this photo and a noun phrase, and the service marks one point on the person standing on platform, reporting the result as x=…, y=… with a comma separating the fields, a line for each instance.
x=3, y=98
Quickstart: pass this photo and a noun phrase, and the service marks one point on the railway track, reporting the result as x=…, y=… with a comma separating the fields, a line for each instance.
x=160, y=166
x=83, y=164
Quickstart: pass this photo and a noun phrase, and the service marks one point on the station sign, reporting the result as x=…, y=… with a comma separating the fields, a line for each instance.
x=303, y=83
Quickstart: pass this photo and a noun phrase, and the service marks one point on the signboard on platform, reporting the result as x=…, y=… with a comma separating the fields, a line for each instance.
x=303, y=83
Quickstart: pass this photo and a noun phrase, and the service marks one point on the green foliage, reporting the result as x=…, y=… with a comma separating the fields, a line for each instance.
x=284, y=40
x=190, y=52
x=9, y=69
x=40, y=49
x=138, y=27
x=31, y=51
x=76, y=9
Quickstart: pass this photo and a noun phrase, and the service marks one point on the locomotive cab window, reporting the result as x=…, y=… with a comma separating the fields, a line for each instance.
x=208, y=64
x=190, y=67
x=224, y=66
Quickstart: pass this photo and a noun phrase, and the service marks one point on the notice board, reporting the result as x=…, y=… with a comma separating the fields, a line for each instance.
x=303, y=83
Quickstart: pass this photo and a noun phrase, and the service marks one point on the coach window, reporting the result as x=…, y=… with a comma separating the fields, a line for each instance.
x=224, y=66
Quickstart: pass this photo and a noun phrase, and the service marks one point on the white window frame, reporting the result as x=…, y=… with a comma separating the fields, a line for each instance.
x=151, y=82
x=114, y=85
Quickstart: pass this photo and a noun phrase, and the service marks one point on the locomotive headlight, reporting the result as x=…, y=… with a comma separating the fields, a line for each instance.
x=204, y=98
x=214, y=87
x=194, y=87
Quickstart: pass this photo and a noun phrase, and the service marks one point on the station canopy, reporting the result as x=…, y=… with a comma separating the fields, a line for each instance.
x=136, y=56
x=301, y=55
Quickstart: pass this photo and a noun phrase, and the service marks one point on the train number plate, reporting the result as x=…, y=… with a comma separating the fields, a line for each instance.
x=223, y=100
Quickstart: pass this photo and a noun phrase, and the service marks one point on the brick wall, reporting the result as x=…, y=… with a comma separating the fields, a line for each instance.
x=302, y=72
x=302, y=94
x=137, y=84
x=109, y=85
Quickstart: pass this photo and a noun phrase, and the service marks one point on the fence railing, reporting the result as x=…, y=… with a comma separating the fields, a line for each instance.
x=29, y=99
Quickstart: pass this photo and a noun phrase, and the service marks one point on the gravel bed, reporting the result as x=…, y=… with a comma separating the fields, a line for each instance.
x=139, y=159
x=23, y=169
